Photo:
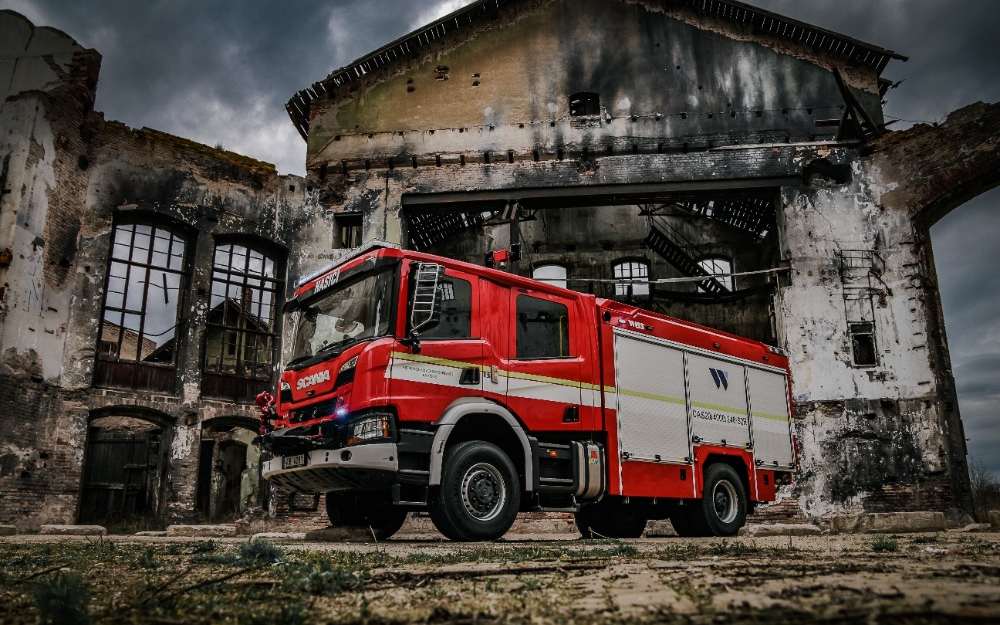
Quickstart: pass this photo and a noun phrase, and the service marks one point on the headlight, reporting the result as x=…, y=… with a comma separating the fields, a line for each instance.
x=376, y=428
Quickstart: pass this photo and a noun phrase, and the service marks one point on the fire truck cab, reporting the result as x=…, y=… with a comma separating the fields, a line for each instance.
x=418, y=382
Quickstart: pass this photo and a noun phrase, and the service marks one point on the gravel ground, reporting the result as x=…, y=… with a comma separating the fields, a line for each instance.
x=942, y=578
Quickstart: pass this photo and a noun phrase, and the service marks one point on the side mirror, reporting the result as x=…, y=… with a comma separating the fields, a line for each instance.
x=425, y=308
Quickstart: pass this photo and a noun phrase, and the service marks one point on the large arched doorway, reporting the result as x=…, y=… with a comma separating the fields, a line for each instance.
x=229, y=480
x=124, y=472
x=965, y=241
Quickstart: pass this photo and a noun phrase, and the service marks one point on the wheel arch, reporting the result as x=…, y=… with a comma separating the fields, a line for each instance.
x=480, y=419
x=737, y=463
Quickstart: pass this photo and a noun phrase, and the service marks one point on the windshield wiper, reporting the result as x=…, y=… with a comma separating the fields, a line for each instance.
x=342, y=344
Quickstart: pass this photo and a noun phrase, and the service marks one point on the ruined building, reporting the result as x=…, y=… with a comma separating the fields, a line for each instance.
x=704, y=158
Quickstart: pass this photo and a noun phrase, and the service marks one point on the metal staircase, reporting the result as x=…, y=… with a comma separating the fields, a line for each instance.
x=670, y=245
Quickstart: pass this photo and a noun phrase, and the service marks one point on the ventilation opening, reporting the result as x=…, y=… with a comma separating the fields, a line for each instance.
x=584, y=103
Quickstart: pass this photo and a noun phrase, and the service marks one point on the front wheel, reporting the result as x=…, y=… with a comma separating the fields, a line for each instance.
x=365, y=510
x=480, y=493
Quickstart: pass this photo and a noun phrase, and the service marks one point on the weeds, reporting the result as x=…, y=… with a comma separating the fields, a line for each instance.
x=259, y=552
x=325, y=578
x=62, y=600
x=148, y=559
x=884, y=544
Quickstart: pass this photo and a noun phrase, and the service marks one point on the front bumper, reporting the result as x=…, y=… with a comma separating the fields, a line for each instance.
x=361, y=467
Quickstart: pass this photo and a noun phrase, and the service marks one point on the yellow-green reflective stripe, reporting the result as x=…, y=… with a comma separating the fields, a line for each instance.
x=541, y=378
x=444, y=362
x=769, y=415
x=669, y=399
x=719, y=408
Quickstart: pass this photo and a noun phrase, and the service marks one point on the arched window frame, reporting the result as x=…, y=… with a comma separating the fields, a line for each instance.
x=126, y=275
x=560, y=282
x=625, y=270
x=242, y=367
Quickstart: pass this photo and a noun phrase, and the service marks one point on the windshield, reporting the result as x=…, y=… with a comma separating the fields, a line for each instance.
x=358, y=310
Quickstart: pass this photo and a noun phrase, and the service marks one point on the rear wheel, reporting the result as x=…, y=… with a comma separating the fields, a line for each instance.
x=365, y=510
x=722, y=510
x=610, y=518
x=480, y=493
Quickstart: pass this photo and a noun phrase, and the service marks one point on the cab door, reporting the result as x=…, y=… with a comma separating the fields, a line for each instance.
x=449, y=362
x=544, y=360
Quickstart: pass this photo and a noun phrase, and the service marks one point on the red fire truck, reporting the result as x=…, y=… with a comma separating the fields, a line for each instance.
x=420, y=382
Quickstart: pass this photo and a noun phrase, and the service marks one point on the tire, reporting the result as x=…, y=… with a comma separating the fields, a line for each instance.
x=723, y=507
x=610, y=519
x=365, y=510
x=480, y=493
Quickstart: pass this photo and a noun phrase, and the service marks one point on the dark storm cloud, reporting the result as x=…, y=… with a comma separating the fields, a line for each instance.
x=221, y=72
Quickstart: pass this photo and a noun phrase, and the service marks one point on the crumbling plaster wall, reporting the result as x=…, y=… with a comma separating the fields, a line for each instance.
x=889, y=436
x=69, y=173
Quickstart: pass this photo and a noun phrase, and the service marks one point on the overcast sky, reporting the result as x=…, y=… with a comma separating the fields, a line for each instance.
x=221, y=72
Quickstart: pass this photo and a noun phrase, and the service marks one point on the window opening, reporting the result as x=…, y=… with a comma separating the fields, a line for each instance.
x=349, y=231
x=551, y=274
x=721, y=268
x=627, y=271
x=584, y=103
x=146, y=278
x=241, y=341
x=863, y=344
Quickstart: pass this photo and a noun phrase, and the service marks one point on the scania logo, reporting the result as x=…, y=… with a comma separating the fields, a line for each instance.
x=313, y=380
x=721, y=378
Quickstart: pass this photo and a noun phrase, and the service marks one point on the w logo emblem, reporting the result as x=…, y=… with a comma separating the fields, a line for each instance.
x=721, y=378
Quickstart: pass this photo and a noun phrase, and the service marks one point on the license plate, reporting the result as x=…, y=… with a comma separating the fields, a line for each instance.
x=290, y=462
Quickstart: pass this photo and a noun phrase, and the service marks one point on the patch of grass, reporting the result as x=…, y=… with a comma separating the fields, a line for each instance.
x=259, y=552
x=325, y=578
x=884, y=544
x=62, y=600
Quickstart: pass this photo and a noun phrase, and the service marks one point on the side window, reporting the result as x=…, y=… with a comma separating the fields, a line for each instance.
x=542, y=329
x=456, y=310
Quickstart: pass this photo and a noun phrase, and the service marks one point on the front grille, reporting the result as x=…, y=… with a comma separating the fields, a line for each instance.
x=316, y=411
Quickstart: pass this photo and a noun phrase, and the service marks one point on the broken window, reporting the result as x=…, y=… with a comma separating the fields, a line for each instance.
x=631, y=278
x=550, y=274
x=721, y=268
x=147, y=275
x=863, y=344
x=584, y=103
x=349, y=230
x=241, y=340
